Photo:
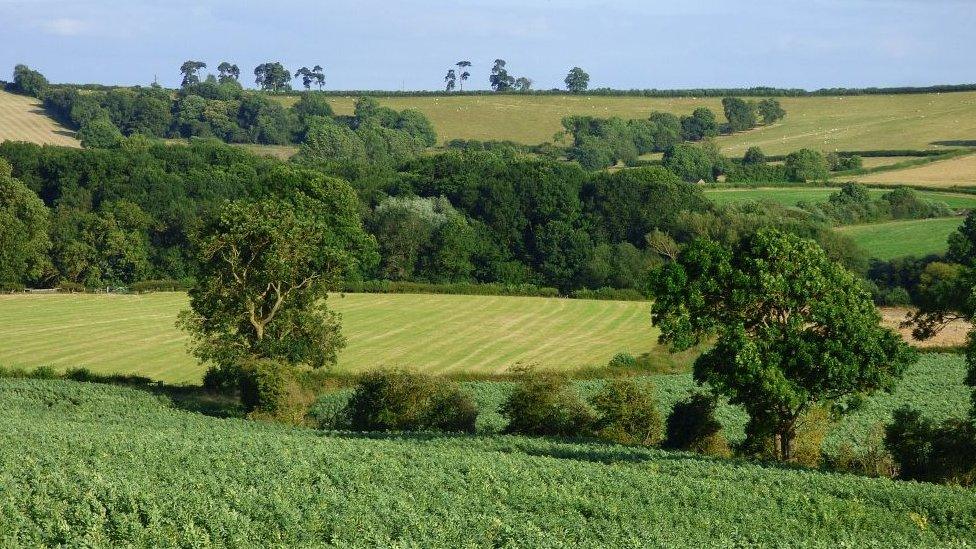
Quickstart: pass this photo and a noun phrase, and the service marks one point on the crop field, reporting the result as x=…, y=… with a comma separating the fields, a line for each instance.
x=435, y=333
x=23, y=119
x=95, y=465
x=867, y=122
x=789, y=196
x=953, y=172
x=891, y=239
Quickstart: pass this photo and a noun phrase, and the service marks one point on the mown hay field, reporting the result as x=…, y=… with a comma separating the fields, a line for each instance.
x=953, y=172
x=866, y=122
x=892, y=239
x=435, y=333
x=23, y=118
x=789, y=196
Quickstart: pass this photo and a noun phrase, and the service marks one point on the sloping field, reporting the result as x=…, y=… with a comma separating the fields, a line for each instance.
x=867, y=122
x=916, y=237
x=789, y=196
x=100, y=466
x=23, y=119
x=954, y=172
x=435, y=333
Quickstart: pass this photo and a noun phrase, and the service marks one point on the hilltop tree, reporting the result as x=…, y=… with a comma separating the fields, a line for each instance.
x=189, y=71
x=523, y=84
x=463, y=73
x=500, y=80
x=577, y=80
x=24, y=241
x=770, y=110
x=271, y=76
x=264, y=272
x=793, y=330
x=29, y=82
x=315, y=75
x=450, y=80
x=228, y=72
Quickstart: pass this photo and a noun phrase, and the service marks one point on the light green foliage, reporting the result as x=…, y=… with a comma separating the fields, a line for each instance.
x=100, y=133
x=918, y=237
x=330, y=142
x=24, y=223
x=791, y=195
x=806, y=165
x=692, y=163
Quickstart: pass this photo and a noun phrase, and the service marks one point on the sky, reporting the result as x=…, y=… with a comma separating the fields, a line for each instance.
x=391, y=45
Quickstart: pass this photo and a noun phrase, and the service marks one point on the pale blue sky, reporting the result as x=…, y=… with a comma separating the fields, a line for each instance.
x=374, y=44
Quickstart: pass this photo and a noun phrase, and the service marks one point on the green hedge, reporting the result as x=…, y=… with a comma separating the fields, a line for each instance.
x=398, y=287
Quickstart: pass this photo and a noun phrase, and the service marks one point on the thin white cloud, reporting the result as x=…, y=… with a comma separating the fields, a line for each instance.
x=66, y=26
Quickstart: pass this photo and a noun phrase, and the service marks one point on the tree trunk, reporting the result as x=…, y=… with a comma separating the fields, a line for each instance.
x=785, y=439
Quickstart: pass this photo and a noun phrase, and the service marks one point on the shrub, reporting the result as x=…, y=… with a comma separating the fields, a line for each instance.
x=622, y=360
x=806, y=165
x=692, y=426
x=627, y=413
x=71, y=287
x=546, y=404
x=270, y=390
x=11, y=287
x=167, y=285
x=397, y=400
x=930, y=451
x=811, y=430
x=873, y=461
x=222, y=380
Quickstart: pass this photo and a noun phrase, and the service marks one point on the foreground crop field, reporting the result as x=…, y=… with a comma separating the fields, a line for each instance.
x=93, y=465
x=916, y=237
x=23, y=119
x=867, y=122
x=789, y=196
x=436, y=333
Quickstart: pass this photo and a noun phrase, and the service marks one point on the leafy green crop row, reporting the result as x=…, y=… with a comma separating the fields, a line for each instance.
x=86, y=464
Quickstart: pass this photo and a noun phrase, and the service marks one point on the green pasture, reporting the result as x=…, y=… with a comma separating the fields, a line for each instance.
x=892, y=239
x=789, y=196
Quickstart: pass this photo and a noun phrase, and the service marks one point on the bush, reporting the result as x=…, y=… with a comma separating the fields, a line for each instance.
x=692, y=427
x=270, y=390
x=11, y=287
x=545, y=404
x=622, y=360
x=806, y=165
x=873, y=461
x=930, y=451
x=167, y=285
x=627, y=413
x=222, y=380
x=397, y=400
x=71, y=287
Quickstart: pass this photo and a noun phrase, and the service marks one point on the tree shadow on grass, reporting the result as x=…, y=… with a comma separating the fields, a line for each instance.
x=956, y=143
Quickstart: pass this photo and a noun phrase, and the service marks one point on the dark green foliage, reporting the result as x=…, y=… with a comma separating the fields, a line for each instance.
x=29, y=82
x=272, y=76
x=627, y=413
x=754, y=155
x=397, y=400
x=545, y=404
x=853, y=204
x=740, y=113
x=691, y=426
x=794, y=329
x=806, y=165
x=929, y=451
x=416, y=125
x=770, y=110
x=699, y=125
x=757, y=173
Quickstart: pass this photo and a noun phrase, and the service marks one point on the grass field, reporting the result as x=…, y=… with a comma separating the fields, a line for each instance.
x=100, y=466
x=23, y=119
x=954, y=172
x=916, y=237
x=915, y=121
x=436, y=333
x=789, y=196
